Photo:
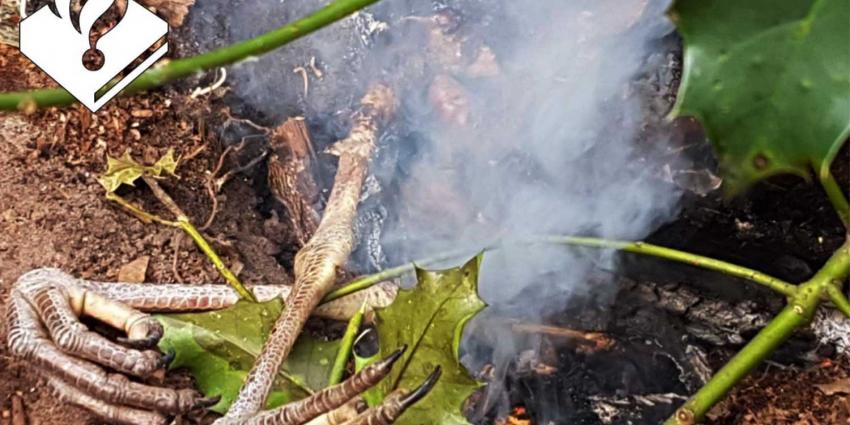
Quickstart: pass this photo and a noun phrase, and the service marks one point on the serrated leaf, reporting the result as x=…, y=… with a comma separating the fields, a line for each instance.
x=125, y=170
x=220, y=347
x=429, y=319
x=166, y=164
x=770, y=81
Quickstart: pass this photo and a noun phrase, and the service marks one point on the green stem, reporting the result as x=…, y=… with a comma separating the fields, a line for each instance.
x=222, y=268
x=838, y=298
x=642, y=248
x=836, y=196
x=798, y=313
x=346, y=345
x=365, y=282
x=184, y=67
x=700, y=261
x=141, y=214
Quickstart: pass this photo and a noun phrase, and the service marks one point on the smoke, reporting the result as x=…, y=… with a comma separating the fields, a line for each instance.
x=517, y=119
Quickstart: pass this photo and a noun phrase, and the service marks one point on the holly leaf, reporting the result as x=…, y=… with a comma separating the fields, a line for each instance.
x=429, y=319
x=165, y=165
x=770, y=81
x=219, y=348
x=125, y=170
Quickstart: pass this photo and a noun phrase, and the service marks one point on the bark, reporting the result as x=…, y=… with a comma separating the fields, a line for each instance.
x=291, y=179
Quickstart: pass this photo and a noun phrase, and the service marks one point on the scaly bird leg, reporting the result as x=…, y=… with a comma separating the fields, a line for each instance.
x=43, y=314
x=317, y=262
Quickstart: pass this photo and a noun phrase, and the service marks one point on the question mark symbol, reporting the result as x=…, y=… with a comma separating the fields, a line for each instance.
x=93, y=11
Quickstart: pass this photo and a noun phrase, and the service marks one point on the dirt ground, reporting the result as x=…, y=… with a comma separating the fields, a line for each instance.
x=53, y=213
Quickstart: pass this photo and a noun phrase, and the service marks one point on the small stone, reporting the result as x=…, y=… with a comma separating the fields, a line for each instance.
x=134, y=271
x=142, y=113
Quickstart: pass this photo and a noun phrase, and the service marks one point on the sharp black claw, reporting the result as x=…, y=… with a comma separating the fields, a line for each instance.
x=387, y=362
x=139, y=344
x=392, y=358
x=423, y=389
x=167, y=358
x=203, y=403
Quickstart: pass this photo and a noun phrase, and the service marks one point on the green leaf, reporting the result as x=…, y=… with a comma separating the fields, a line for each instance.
x=126, y=170
x=429, y=319
x=220, y=347
x=770, y=81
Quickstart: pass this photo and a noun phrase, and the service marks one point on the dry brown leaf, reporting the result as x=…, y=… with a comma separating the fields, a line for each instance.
x=134, y=271
x=841, y=386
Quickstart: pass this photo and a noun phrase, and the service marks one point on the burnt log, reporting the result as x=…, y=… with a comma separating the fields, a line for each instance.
x=291, y=179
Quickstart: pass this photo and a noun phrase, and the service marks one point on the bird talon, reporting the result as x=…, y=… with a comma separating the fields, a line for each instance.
x=206, y=402
x=167, y=358
x=139, y=344
x=423, y=389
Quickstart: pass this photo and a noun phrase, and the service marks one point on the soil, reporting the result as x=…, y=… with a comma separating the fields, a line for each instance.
x=53, y=213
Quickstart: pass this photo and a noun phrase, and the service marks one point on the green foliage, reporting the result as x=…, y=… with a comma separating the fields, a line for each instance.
x=770, y=80
x=220, y=347
x=429, y=319
x=126, y=170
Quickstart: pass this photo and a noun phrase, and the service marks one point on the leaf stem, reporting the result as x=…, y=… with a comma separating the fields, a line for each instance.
x=695, y=260
x=141, y=214
x=799, y=312
x=367, y=281
x=208, y=250
x=836, y=196
x=184, y=67
x=641, y=248
x=346, y=345
x=183, y=223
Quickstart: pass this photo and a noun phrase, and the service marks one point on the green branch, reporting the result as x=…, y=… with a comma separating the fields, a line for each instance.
x=804, y=299
x=799, y=312
x=184, y=67
x=641, y=248
x=837, y=297
x=695, y=260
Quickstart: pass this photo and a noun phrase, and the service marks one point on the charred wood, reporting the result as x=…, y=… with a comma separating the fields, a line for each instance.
x=291, y=178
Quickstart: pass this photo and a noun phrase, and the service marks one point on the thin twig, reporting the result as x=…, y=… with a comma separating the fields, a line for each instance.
x=597, y=340
x=177, y=241
x=214, y=208
x=164, y=197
